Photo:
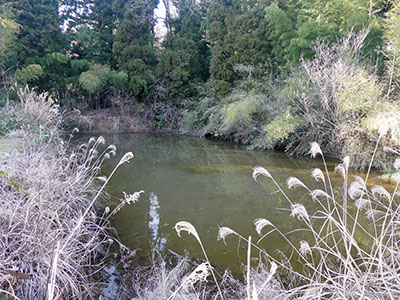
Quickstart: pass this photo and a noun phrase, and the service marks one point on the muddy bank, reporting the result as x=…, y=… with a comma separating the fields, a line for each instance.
x=112, y=120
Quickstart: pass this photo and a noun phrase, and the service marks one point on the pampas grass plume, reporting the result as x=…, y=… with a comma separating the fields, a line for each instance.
x=186, y=226
x=257, y=171
x=304, y=248
x=299, y=211
x=315, y=149
x=294, y=182
x=357, y=188
x=318, y=175
x=132, y=198
x=223, y=233
x=260, y=223
x=318, y=193
x=126, y=158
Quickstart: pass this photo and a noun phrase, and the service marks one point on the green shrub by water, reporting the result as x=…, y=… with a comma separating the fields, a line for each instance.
x=334, y=98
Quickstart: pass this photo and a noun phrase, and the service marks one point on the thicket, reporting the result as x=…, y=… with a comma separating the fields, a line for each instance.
x=334, y=98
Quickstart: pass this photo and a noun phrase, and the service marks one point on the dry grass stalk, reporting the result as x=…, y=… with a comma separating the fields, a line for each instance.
x=189, y=228
x=344, y=258
x=128, y=199
x=50, y=229
x=249, y=269
x=52, y=283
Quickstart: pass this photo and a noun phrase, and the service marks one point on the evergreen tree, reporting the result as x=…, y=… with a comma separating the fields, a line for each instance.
x=392, y=49
x=185, y=54
x=332, y=19
x=40, y=32
x=280, y=33
x=103, y=19
x=237, y=31
x=134, y=42
x=79, y=28
x=8, y=34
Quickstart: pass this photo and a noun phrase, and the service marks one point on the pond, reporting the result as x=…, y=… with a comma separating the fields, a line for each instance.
x=209, y=184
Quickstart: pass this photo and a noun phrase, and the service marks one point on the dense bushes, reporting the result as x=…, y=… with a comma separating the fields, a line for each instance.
x=334, y=98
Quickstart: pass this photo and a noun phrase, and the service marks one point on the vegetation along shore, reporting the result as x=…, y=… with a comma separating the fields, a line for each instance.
x=319, y=78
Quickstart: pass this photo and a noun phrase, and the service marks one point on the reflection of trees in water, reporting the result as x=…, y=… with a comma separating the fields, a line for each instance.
x=157, y=240
x=192, y=151
x=208, y=183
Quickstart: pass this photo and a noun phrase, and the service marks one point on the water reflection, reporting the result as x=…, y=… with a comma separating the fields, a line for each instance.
x=209, y=184
x=111, y=290
x=157, y=242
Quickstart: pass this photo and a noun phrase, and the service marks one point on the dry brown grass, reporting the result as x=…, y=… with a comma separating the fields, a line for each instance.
x=352, y=246
x=53, y=240
x=44, y=191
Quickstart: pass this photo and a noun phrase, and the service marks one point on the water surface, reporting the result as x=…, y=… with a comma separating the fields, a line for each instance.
x=209, y=184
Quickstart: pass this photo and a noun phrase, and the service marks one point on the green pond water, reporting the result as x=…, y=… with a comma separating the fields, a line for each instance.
x=209, y=184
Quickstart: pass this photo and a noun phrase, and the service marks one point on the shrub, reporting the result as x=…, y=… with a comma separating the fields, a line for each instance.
x=28, y=74
x=338, y=98
x=280, y=128
x=89, y=81
x=10, y=120
x=32, y=112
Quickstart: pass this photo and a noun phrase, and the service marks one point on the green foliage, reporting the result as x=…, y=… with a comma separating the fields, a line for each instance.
x=94, y=79
x=29, y=74
x=221, y=88
x=118, y=80
x=238, y=32
x=185, y=56
x=392, y=49
x=8, y=34
x=239, y=112
x=299, y=45
x=55, y=57
x=79, y=65
x=54, y=71
x=384, y=120
x=358, y=91
x=340, y=103
x=279, y=129
x=89, y=81
x=280, y=32
x=40, y=32
x=83, y=42
x=104, y=25
x=133, y=42
x=10, y=120
x=241, y=115
x=13, y=183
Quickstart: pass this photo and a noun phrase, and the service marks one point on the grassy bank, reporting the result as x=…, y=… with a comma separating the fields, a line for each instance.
x=54, y=238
